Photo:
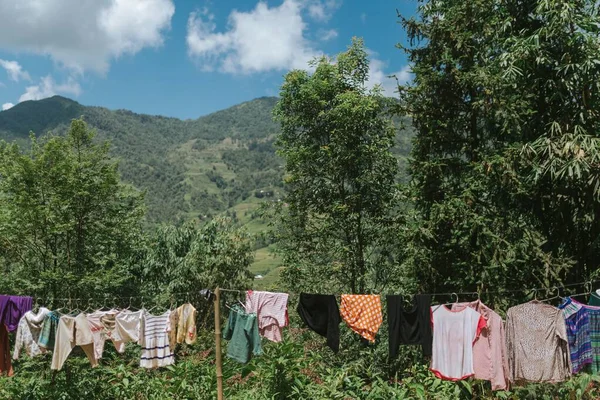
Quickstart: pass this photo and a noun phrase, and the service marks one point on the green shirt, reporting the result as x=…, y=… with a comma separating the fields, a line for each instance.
x=242, y=332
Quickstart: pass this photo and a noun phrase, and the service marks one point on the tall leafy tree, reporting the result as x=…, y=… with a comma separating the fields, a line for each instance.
x=335, y=140
x=504, y=163
x=68, y=227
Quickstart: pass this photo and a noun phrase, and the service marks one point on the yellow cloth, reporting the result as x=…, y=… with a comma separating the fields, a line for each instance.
x=362, y=313
x=186, y=327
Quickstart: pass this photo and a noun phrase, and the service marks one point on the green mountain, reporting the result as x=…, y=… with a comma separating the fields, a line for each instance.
x=224, y=162
x=189, y=168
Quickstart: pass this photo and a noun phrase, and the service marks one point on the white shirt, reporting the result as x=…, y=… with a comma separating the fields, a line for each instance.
x=453, y=335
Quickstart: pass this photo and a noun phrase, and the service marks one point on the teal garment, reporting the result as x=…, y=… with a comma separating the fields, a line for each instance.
x=242, y=332
x=48, y=333
x=594, y=299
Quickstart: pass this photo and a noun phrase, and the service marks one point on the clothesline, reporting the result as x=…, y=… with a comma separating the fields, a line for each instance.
x=532, y=290
x=105, y=298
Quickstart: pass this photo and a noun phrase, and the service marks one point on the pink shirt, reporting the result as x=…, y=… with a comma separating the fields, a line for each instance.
x=271, y=312
x=453, y=335
x=489, y=350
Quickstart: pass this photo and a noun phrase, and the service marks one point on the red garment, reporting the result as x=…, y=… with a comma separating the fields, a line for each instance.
x=5, y=364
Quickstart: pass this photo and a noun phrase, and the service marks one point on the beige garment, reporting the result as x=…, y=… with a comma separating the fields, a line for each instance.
x=127, y=328
x=489, y=349
x=71, y=332
x=536, y=342
x=186, y=328
x=102, y=324
x=173, y=322
x=28, y=333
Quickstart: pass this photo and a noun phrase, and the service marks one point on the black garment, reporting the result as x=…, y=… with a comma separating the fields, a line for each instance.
x=321, y=313
x=412, y=326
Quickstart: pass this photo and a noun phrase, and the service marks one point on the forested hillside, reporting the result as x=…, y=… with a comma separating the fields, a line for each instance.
x=189, y=169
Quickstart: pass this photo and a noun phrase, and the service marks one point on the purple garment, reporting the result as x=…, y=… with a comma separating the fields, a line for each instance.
x=12, y=308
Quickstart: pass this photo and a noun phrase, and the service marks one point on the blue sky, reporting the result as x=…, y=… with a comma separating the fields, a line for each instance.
x=183, y=58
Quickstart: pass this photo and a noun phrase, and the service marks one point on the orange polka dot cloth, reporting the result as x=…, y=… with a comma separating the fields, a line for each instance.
x=362, y=313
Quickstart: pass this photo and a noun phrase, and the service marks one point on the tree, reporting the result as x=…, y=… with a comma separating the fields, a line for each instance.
x=335, y=140
x=68, y=227
x=504, y=163
x=179, y=261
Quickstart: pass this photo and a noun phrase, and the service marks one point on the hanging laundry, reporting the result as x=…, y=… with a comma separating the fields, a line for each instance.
x=362, y=313
x=410, y=326
x=489, y=349
x=583, y=332
x=271, y=312
x=594, y=299
x=28, y=333
x=71, y=332
x=154, y=340
x=537, y=343
x=5, y=362
x=12, y=309
x=127, y=328
x=48, y=332
x=242, y=332
x=102, y=324
x=186, y=327
x=321, y=314
x=173, y=322
x=453, y=335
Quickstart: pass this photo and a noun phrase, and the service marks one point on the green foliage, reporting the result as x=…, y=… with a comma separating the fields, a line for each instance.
x=68, y=227
x=503, y=177
x=336, y=142
x=186, y=259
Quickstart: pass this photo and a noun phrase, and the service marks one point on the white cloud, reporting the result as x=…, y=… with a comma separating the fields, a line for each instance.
x=326, y=35
x=84, y=34
x=14, y=70
x=48, y=88
x=262, y=39
x=322, y=10
x=6, y=106
x=387, y=81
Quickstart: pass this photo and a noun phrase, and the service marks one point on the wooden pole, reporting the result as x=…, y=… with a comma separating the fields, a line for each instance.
x=219, y=362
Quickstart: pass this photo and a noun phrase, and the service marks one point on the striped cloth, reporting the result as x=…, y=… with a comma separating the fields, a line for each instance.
x=154, y=340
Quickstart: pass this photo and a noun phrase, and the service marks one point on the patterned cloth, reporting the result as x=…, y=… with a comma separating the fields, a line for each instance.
x=537, y=343
x=583, y=330
x=362, y=313
x=28, y=333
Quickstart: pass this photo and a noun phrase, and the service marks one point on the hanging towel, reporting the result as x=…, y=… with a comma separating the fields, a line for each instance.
x=453, y=336
x=537, y=343
x=489, y=349
x=28, y=333
x=242, y=332
x=410, y=326
x=321, y=314
x=271, y=312
x=362, y=313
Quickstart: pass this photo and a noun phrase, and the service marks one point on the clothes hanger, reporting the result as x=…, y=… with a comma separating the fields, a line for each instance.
x=556, y=296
